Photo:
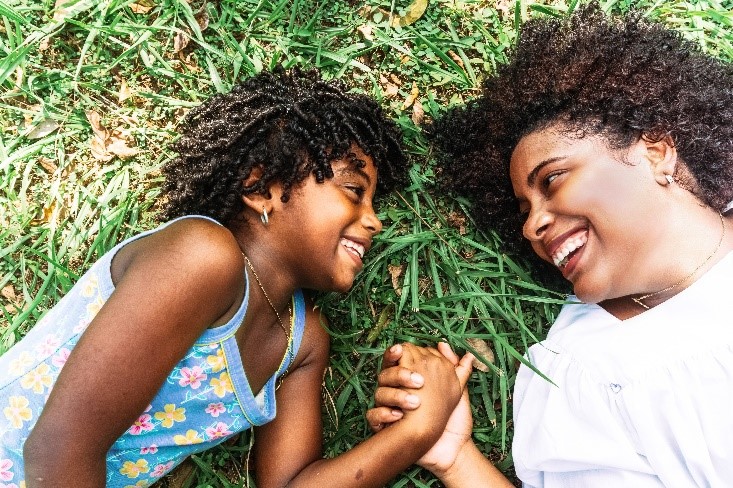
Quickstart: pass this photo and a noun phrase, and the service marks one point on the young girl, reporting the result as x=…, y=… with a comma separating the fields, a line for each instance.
x=181, y=337
x=609, y=143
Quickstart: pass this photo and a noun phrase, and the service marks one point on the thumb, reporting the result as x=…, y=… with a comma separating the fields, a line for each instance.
x=464, y=368
x=446, y=351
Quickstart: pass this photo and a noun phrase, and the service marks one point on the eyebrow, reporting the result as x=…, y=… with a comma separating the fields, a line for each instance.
x=351, y=170
x=532, y=176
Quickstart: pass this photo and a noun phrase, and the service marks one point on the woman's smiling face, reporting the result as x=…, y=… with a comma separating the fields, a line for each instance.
x=590, y=209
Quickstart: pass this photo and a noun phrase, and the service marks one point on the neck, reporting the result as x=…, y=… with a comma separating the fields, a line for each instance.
x=277, y=285
x=696, y=244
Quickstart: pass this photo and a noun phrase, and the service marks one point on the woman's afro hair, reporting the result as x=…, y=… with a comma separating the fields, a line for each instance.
x=620, y=78
x=290, y=124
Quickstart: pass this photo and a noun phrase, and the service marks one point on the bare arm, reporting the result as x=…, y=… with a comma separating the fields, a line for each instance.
x=155, y=314
x=288, y=450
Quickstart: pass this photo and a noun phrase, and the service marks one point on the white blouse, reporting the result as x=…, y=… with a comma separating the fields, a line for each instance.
x=643, y=402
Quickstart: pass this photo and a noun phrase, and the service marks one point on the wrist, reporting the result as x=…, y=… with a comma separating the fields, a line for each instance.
x=461, y=465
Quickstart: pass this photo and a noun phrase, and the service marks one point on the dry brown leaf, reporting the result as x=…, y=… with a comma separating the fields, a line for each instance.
x=44, y=128
x=456, y=58
x=48, y=165
x=8, y=292
x=142, y=6
x=118, y=146
x=395, y=80
x=411, y=97
x=61, y=10
x=503, y=6
x=395, y=271
x=418, y=113
x=366, y=31
x=483, y=350
x=413, y=12
x=105, y=145
x=96, y=122
x=391, y=90
x=203, y=20
x=124, y=92
x=180, y=41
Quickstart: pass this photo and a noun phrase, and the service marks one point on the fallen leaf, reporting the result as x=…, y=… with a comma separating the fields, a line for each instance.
x=203, y=19
x=391, y=90
x=124, y=92
x=418, y=113
x=395, y=271
x=413, y=12
x=48, y=165
x=105, y=145
x=119, y=147
x=8, y=292
x=180, y=41
x=142, y=6
x=456, y=58
x=395, y=80
x=366, y=31
x=411, y=97
x=503, y=6
x=96, y=122
x=483, y=350
x=43, y=128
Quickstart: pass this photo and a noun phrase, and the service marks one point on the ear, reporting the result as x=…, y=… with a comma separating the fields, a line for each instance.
x=257, y=202
x=662, y=158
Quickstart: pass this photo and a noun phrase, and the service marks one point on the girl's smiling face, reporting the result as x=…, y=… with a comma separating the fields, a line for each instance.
x=331, y=224
x=590, y=210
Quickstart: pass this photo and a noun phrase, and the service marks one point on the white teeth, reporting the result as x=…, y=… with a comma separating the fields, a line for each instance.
x=560, y=258
x=353, y=247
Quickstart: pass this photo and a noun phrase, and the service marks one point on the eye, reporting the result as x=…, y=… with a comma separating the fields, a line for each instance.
x=547, y=180
x=356, y=190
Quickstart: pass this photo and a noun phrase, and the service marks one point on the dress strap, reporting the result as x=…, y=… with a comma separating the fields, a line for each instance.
x=297, y=326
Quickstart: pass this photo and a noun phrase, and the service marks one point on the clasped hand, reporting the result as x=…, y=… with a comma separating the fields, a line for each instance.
x=414, y=381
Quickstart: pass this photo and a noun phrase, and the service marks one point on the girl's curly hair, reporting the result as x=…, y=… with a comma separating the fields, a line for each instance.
x=288, y=123
x=618, y=77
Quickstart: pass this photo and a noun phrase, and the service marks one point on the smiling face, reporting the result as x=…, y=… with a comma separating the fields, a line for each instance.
x=591, y=211
x=329, y=226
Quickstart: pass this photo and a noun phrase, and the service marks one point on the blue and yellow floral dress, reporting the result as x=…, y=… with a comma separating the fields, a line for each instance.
x=205, y=399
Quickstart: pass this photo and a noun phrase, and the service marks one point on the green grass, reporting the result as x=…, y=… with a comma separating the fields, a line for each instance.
x=431, y=275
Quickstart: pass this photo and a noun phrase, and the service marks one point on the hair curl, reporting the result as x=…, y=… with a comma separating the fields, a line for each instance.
x=288, y=123
x=618, y=77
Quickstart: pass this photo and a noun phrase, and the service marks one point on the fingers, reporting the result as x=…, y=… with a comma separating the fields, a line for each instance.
x=464, y=368
x=380, y=417
x=392, y=356
x=446, y=351
x=396, y=398
x=399, y=377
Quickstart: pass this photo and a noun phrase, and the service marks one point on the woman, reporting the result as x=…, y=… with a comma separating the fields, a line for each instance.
x=609, y=143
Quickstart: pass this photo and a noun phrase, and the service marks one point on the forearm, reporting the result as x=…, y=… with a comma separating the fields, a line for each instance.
x=471, y=468
x=372, y=463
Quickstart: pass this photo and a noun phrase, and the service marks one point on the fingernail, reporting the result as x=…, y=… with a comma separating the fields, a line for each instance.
x=397, y=413
x=412, y=400
x=416, y=379
x=394, y=348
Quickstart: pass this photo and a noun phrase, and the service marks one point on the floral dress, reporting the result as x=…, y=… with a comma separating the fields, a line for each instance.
x=205, y=399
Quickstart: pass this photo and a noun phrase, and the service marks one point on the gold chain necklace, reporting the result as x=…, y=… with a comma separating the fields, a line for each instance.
x=672, y=287
x=279, y=319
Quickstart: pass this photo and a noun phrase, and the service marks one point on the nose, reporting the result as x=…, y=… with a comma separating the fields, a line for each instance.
x=370, y=220
x=537, y=223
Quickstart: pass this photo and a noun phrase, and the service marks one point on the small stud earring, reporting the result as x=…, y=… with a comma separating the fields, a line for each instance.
x=264, y=218
x=669, y=179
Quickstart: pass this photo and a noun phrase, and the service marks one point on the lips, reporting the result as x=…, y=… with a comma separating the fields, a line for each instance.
x=353, y=247
x=562, y=248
